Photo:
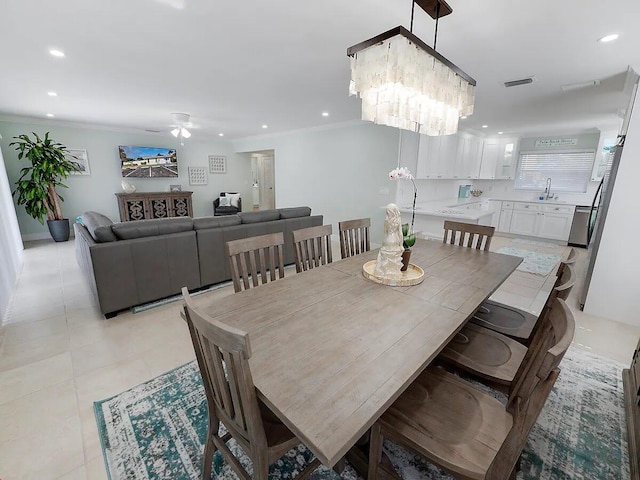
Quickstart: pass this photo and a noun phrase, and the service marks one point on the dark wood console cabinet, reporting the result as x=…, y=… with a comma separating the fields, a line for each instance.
x=631, y=381
x=147, y=205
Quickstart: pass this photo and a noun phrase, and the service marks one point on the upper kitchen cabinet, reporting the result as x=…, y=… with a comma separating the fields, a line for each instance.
x=469, y=156
x=499, y=158
x=449, y=156
x=604, y=156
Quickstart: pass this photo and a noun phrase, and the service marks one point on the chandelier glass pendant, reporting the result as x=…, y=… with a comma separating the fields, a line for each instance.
x=404, y=83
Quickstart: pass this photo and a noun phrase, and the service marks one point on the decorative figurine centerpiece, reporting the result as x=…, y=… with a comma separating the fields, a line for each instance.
x=389, y=260
x=387, y=268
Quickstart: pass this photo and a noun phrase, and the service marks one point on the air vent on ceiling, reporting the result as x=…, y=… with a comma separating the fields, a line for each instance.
x=152, y=131
x=522, y=81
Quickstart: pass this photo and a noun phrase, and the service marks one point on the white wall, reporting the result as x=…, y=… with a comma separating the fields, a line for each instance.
x=614, y=291
x=96, y=191
x=10, y=243
x=340, y=172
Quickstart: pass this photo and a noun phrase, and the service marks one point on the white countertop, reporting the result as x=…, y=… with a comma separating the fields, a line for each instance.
x=471, y=208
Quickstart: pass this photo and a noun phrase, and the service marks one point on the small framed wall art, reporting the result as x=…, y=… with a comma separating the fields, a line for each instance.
x=175, y=188
x=198, y=176
x=217, y=164
x=80, y=157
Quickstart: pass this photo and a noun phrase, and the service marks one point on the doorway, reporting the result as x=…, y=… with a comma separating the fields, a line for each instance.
x=264, y=188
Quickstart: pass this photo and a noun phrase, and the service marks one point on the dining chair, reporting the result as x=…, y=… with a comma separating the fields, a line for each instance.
x=495, y=358
x=515, y=322
x=255, y=257
x=464, y=430
x=354, y=236
x=223, y=354
x=312, y=247
x=468, y=235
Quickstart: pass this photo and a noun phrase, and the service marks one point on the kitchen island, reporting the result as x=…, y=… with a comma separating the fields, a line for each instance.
x=430, y=216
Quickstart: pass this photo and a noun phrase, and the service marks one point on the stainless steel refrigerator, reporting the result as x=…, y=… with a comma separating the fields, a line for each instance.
x=602, y=199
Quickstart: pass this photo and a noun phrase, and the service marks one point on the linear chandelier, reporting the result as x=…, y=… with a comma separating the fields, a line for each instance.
x=405, y=83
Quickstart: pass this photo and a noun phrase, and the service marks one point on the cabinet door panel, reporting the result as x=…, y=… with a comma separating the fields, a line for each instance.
x=489, y=160
x=524, y=223
x=556, y=226
x=504, y=224
x=447, y=156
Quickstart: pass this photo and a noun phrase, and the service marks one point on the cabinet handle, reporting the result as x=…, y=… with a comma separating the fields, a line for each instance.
x=557, y=208
x=526, y=206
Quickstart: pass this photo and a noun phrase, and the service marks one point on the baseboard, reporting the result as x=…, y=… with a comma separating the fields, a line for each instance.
x=32, y=237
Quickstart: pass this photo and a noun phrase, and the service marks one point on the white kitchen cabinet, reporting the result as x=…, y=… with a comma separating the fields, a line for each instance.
x=506, y=215
x=495, y=206
x=525, y=218
x=539, y=220
x=449, y=156
x=469, y=156
x=555, y=221
x=507, y=158
x=498, y=159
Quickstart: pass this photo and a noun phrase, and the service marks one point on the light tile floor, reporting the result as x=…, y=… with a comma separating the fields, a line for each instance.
x=58, y=355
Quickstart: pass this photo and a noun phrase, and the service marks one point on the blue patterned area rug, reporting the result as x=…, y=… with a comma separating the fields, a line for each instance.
x=157, y=430
x=534, y=262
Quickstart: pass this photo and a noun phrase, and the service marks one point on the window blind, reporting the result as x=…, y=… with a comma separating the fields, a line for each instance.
x=569, y=171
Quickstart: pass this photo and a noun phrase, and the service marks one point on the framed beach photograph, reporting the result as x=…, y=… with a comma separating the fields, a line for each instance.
x=79, y=156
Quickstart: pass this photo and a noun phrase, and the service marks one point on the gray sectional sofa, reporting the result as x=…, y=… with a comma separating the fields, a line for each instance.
x=132, y=263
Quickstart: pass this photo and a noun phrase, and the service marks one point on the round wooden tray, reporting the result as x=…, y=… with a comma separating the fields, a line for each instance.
x=413, y=276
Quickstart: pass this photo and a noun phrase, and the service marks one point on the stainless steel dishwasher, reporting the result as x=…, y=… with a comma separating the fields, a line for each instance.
x=580, y=227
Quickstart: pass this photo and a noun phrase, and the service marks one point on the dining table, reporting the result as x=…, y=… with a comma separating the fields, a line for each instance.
x=331, y=350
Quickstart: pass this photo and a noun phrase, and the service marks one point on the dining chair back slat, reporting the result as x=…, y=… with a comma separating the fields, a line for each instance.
x=251, y=258
x=312, y=247
x=354, y=237
x=468, y=235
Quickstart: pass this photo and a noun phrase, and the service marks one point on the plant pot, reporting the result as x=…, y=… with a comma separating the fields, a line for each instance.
x=406, y=255
x=59, y=229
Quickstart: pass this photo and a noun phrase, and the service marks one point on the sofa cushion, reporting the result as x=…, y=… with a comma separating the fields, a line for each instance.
x=263, y=216
x=295, y=212
x=151, y=228
x=98, y=226
x=203, y=223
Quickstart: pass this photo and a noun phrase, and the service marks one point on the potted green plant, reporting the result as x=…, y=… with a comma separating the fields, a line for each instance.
x=408, y=241
x=36, y=187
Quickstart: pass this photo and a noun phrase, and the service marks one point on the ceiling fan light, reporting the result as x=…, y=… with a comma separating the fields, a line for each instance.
x=175, y=132
x=185, y=132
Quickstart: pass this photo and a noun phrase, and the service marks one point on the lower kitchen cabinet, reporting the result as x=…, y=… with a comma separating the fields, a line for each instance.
x=536, y=220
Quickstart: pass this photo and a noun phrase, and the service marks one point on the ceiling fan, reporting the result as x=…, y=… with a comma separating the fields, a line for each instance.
x=180, y=122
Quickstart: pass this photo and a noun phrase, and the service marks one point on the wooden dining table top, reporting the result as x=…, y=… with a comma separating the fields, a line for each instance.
x=332, y=350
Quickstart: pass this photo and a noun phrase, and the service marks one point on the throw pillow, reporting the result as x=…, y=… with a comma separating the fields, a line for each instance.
x=225, y=201
x=235, y=199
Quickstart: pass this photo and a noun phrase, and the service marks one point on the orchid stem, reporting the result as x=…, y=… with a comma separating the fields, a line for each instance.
x=413, y=210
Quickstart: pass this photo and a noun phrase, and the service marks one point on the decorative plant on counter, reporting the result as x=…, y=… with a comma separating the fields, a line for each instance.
x=408, y=235
x=36, y=187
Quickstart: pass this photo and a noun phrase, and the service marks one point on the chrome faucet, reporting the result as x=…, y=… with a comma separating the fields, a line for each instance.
x=547, y=189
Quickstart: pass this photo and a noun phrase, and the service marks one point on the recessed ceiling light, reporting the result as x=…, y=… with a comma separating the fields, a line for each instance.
x=325, y=114
x=485, y=126
x=52, y=94
x=264, y=126
x=609, y=38
x=56, y=53
x=500, y=133
x=50, y=115
x=221, y=134
x=463, y=117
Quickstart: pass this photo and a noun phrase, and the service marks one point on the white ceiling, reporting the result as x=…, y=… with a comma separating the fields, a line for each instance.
x=235, y=65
